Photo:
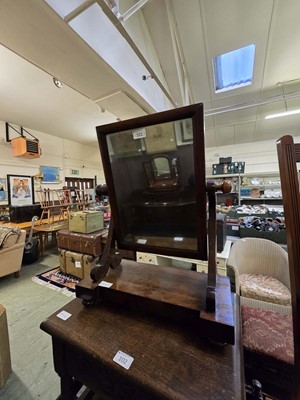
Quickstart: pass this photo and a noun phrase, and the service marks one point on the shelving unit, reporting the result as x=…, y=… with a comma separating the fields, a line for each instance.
x=264, y=188
x=256, y=188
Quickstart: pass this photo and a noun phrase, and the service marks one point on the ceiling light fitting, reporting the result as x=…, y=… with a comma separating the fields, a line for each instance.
x=57, y=82
x=282, y=114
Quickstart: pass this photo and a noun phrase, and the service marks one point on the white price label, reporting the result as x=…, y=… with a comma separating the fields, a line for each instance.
x=77, y=264
x=178, y=239
x=139, y=133
x=235, y=228
x=142, y=241
x=105, y=284
x=123, y=359
x=80, y=391
x=64, y=315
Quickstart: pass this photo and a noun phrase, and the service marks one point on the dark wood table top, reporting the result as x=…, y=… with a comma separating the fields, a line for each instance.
x=170, y=360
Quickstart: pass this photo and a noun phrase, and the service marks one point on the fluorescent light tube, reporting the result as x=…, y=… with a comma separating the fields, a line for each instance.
x=282, y=114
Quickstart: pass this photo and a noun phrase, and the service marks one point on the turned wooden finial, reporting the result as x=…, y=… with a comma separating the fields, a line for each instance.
x=225, y=186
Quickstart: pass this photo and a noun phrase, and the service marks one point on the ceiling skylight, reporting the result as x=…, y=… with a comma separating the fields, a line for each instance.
x=234, y=69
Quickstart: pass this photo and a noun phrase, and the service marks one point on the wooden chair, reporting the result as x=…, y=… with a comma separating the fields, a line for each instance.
x=272, y=340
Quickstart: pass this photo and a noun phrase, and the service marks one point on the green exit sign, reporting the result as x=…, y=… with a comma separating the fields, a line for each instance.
x=75, y=171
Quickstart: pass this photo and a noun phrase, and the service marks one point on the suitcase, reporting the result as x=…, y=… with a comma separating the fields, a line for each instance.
x=62, y=260
x=86, y=243
x=86, y=221
x=77, y=264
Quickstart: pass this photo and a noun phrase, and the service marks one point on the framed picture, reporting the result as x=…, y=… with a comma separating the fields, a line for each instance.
x=50, y=174
x=160, y=138
x=3, y=193
x=125, y=145
x=20, y=190
x=187, y=130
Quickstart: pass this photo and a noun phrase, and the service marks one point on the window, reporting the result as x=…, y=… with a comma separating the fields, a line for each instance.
x=234, y=69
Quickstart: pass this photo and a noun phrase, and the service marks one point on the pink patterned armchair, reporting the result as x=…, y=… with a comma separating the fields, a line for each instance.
x=261, y=274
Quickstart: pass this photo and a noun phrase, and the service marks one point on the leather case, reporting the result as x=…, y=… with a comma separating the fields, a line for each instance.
x=86, y=243
x=77, y=264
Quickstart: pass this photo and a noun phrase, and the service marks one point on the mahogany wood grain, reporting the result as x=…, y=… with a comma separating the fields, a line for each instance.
x=288, y=156
x=173, y=293
x=170, y=360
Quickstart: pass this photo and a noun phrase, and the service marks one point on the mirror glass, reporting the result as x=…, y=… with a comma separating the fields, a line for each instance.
x=161, y=167
x=151, y=171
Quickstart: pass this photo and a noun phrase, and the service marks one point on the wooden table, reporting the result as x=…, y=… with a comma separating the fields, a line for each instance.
x=43, y=231
x=170, y=361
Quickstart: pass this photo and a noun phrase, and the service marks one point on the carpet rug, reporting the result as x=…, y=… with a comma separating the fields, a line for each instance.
x=56, y=280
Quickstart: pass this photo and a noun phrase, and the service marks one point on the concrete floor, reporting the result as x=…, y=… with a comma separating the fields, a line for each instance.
x=27, y=305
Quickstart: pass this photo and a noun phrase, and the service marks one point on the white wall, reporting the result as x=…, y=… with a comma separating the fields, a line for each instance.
x=56, y=152
x=259, y=157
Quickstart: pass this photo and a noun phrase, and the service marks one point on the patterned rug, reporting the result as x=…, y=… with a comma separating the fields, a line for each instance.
x=56, y=280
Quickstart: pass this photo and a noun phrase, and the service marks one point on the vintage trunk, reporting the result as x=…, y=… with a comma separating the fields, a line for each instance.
x=77, y=264
x=86, y=243
x=86, y=221
x=62, y=260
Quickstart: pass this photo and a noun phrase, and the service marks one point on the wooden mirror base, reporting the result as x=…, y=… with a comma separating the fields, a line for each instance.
x=167, y=292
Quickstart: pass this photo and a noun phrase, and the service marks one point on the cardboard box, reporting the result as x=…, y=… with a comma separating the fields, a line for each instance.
x=86, y=221
x=5, y=361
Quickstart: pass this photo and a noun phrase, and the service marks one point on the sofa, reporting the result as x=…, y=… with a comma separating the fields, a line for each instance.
x=12, y=242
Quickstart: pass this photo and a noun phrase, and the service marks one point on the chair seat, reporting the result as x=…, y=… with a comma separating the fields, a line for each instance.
x=268, y=332
x=264, y=288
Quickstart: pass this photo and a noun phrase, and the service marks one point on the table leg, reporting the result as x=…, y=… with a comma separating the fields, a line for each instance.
x=42, y=243
x=67, y=387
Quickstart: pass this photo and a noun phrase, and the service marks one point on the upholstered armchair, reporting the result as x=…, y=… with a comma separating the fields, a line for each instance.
x=12, y=242
x=261, y=274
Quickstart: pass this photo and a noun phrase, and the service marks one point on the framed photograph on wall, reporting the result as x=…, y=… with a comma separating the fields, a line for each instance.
x=187, y=131
x=3, y=193
x=20, y=190
x=50, y=174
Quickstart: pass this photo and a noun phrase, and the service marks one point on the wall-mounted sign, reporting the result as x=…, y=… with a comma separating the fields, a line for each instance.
x=75, y=171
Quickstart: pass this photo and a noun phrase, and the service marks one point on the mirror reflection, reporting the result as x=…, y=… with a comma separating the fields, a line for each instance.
x=154, y=182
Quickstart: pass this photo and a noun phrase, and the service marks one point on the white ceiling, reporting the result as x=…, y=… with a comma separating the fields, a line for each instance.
x=38, y=44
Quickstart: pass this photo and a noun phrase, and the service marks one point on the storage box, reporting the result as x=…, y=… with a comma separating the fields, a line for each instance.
x=86, y=221
x=20, y=214
x=85, y=243
x=225, y=160
x=5, y=361
x=76, y=264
